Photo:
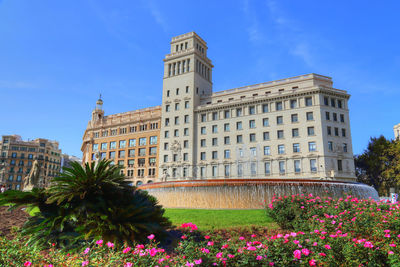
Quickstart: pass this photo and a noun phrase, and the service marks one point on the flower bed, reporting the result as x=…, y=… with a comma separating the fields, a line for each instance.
x=315, y=232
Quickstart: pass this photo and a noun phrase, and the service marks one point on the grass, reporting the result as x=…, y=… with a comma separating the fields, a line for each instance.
x=219, y=219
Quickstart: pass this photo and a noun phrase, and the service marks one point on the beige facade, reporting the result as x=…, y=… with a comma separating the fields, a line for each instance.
x=291, y=128
x=18, y=157
x=396, y=130
x=129, y=139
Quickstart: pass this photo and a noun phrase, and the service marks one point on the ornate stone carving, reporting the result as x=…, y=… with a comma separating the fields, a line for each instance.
x=33, y=178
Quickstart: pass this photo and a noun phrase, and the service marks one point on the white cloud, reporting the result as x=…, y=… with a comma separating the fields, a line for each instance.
x=156, y=14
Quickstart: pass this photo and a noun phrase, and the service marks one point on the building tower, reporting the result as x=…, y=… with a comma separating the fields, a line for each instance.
x=187, y=78
x=98, y=112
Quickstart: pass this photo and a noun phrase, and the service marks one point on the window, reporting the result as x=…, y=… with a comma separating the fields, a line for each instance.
x=176, y=106
x=202, y=172
x=142, y=141
x=186, y=104
x=265, y=108
x=215, y=116
x=203, y=117
x=253, y=168
x=214, y=141
x=253, y=151
x=165, y=158
x=308, y=101
x=226, y=127
x=240, y=169
x=153, y=140
x=239, y=139
x=340, y=105
x=176, y=120
x=214, y=129
x=166, y=121
x=187, y=87
x=122, y=144
x=227, y=154
x=334, y=116
x=295, y=118
x=345, y=147
x=175, y=157
x=293, y=103
x=310, y=116
x=186, y=119
x=177, y=89
x=327, y=116
x=185, y=156
x=112, y=155
x=265, y=136
x=265, y=122
x=239, y=125
x=227, y=140
x=343, y=132
x=203, y=130
x=153, y=150
x=166, y=134
x=94, y=148
x=252, y=124
x=281, y=149
x=30, y=156
x=142, y=152
x=279, y=105
x=330, y=145
x=214, y=171
x=121, y=154
x=267, y=168
x=186, y=131
x=113, y=145
x=252, y=110
x=313, y=165
x=295, y=132
x=329, y=130
x=297, y=166
x=279, y=120
x=252, y=137
x=103, y=155
x=310, y=131
x=341, y=118
x=296, y=148
x=267, y=150
x=214, y=155
x=186, y=144
x=131, y=152
x=166, y=146
x=239, y=112
x=336, y=131
x=227, y=170
x=280, y=134
x=326, y=101
x=203, y=156
x=312, y=147
x=281, y=167
x=176, y=133
x=203, y=142
x=227, y=114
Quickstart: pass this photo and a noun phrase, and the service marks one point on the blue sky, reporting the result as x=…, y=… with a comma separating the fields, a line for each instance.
x=57, y=56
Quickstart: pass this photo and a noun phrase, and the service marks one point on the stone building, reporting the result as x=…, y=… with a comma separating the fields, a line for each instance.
x=291, y=128
x=67, y=159
x=396, y=130
x=129, y=139
x=17, y=157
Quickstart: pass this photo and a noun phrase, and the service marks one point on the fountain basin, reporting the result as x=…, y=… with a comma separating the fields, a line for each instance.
x=247, y=193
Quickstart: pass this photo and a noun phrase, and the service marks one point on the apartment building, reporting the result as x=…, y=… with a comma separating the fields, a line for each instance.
x=296, y=128
x=291, y=128
x=129, y=139
x=17, y=157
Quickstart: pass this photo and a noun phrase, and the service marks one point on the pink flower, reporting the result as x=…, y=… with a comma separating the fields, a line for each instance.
x=183, y=237
x=312, y=262
x=219, y=255
x=387, y=235
x=305, y=251
x=110, y=245
x=189, y=264
x=86, y=251
x=27, y=263
x=297, y=254
x=390, y=252
x=327, y=247
x=204, y=250
x=253, y=235
x=315, y=244
x=199, y=261
x=322, y=254
x=128, y=264
x=126, y=250
x=393, y=245
x=207, y=237
x=99, y=242
x=151, y=237
x=241, y=238
x=231, y=256
x=259, y=258
x=296, y=241
x=368, y=244
x=210, y=243
x=84, y=263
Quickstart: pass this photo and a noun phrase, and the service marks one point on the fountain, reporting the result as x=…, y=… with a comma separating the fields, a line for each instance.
x=247, y=193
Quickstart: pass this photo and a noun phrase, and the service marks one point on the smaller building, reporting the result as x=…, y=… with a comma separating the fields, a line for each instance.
x=67, y=159
x=396, y=130
x=17, y=158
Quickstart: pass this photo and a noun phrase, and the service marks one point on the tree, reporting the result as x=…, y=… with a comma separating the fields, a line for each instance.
x=85, y=203
x=379, y=164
